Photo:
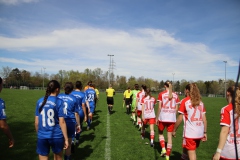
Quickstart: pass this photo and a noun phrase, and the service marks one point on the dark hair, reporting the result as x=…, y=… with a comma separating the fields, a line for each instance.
x=167, y=83
x=93, y=85
x=0, y=80
x=231, y=90
x=68, y=87
x=148, y=92
x=78, y=85
x=51, y=87
x=136, y=86
x=144, y=87
x=90, y=83
x=187, y=87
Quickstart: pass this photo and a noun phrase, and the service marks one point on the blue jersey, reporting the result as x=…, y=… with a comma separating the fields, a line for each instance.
x=70, y=106
x=2, y=109
x=90, y=95
x=80, y=99
x=48, y=119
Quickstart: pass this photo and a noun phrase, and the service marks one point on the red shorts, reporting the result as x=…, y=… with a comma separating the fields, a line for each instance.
x=139, y=113
x=150, y=121
x=191, y=144
x=168, y=125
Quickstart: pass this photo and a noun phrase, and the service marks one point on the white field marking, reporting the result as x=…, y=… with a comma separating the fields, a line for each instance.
x=108, y=140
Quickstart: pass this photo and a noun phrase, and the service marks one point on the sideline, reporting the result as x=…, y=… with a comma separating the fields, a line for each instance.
x=108, y=140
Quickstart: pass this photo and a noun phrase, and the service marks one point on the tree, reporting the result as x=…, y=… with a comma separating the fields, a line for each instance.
x=5, y=72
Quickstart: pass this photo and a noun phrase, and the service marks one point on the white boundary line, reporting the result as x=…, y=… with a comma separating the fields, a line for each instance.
x=108, y=140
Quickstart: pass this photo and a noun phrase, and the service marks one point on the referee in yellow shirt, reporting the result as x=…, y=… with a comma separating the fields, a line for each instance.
x=110, y=101
x=127, y=99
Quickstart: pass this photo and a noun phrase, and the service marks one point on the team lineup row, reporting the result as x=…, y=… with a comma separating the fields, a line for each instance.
x=191, y=110
x=59, y=117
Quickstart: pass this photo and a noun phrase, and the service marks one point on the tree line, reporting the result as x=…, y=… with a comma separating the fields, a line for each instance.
x=15, y=78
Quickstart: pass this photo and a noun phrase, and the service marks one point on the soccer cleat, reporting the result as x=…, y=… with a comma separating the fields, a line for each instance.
x=163, y=153
x=88, y=128
x=167, y=157
x=152, y=144
x=142, y=137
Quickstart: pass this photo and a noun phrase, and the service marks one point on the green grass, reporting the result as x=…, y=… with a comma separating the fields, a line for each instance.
x=124, y=139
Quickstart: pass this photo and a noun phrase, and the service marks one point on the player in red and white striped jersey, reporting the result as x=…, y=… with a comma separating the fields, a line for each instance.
x=140, y=95
x=192, y=112
x=226, y=147
x=166, y=116
x=148, y=114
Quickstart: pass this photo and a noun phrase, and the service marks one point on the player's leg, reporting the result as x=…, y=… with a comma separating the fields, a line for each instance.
x=42, y=157
x=184, y=155
x=139, y=119
x=192, y=154
x=143, y=129
x=70, y=132
x=161, y=138
x=152, y=122
x=170, y=128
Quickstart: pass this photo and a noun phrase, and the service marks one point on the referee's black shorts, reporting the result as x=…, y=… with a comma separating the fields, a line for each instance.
x=110, y=100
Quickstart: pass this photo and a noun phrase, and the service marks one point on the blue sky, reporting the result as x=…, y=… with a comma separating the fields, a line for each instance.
x=149, y=38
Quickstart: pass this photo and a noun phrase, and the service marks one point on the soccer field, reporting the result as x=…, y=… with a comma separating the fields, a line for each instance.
x=111, y=136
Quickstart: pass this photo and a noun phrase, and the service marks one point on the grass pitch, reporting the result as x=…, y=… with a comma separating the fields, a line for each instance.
x=110, y=136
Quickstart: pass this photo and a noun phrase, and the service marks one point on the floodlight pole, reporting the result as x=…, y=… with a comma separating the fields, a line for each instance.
x=110, y=67
x=225, y=79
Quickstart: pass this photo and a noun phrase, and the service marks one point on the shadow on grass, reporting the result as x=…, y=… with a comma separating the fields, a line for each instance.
x=25, y=142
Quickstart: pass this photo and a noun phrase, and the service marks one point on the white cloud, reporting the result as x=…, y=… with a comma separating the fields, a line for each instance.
x=14, y=2
x=148, y=52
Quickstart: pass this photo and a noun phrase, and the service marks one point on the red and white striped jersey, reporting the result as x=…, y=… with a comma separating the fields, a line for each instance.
x=193, y=119
x=148, y=103
x=168, y=109
x=227, y=120
x=140, y=95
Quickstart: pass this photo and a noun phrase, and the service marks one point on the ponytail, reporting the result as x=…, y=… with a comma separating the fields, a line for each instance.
x=194, y=95
x=45, y=99
x=51, y=88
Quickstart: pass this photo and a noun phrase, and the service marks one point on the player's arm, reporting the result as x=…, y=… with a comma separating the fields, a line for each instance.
x=36, y=123
x=84, y=111
x=143, y=106
x=78, y=128
x=205, y=125
x=159, y=110
x=4, y=126
x=222, y=141
x=63, y=126
x=88, y=106
x=178, y=122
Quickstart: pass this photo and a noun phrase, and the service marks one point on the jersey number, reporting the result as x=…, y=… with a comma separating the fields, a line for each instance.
x=49, y=118
x=90, y=97
x=149, y=105
x=169, y=104
x=194, y=117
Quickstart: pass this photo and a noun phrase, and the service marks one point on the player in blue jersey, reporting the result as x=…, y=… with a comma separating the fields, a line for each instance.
x=3, y=123
x=90, y=96
x=50, y=124
x=71, y=115
x=81, y=104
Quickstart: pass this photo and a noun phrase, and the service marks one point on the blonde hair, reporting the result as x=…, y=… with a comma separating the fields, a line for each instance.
x=169, y=86
x=194, y=95
x=237, y=102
